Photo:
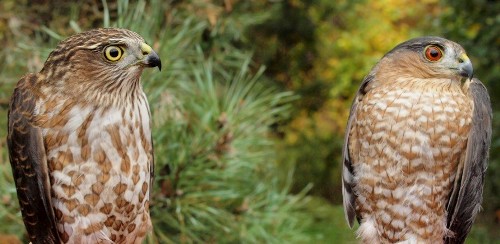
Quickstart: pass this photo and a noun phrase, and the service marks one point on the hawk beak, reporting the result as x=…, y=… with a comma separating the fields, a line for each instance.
x=151, y=59
x=465, y=66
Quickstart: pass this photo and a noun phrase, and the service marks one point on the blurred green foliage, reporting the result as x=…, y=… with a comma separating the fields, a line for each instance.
x=244, y=142
x=322, y=50
x=216, y=171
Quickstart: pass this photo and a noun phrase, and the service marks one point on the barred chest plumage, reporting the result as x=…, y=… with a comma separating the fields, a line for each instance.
x=99, y=160
x=409, y=138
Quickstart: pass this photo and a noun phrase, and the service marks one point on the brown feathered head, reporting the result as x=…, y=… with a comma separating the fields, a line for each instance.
x=100, y=61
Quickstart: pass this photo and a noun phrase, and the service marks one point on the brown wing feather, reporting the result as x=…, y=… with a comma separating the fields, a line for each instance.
x=348, y=196
x=151, y=171
x=29, y=166
x=465, y=201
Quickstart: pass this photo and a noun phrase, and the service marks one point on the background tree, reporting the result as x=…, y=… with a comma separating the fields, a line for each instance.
x=215, y=159
x=322, y=50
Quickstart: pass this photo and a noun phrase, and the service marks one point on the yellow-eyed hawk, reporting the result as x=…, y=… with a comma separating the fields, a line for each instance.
x=79, y=141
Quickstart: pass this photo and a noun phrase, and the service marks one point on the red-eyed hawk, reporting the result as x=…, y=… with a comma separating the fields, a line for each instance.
x=416, y=146
x=80, y=143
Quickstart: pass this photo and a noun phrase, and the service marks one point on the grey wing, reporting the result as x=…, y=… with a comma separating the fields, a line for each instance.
x=29, y=166
x=465, y=201
x=348, y=183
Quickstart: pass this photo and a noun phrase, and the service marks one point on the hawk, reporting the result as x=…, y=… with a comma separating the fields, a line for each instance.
x=416, y=146
x=79, y=141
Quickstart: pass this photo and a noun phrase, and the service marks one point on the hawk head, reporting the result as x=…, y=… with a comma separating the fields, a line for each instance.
x=99, y=62
x=426, y=57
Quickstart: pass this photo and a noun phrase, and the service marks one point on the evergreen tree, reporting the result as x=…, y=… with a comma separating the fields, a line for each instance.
x=216, y=177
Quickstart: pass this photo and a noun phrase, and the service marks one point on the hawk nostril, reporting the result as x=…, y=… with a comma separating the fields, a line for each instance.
x=461, y=60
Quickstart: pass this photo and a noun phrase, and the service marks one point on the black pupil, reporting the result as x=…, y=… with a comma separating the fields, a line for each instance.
x=434, y=53
x=114, y=52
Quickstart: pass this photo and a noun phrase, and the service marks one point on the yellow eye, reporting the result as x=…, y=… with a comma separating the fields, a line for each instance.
x=113, y=53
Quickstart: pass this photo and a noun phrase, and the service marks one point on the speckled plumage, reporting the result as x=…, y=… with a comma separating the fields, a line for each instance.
x=416, y=147
x=80, y=142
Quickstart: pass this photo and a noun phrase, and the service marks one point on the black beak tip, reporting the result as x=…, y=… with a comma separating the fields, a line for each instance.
x=467, y=71
x=154, y=61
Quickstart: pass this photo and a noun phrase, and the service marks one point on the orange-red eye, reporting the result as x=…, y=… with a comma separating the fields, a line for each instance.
x=433, y=53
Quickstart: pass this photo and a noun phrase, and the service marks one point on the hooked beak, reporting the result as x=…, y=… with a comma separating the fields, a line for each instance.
x=151, y=58
x=465, y=66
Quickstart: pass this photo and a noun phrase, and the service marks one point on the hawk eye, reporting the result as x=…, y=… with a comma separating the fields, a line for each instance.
x=113, y=53
x=433, y=53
